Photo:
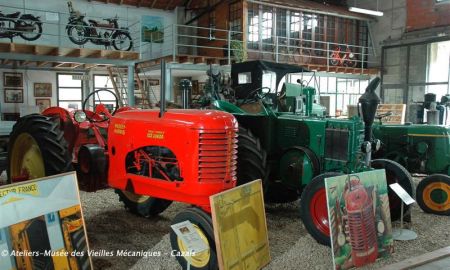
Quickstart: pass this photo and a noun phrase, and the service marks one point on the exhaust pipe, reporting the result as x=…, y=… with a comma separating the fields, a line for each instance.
x=162, y=92
x=369, y=103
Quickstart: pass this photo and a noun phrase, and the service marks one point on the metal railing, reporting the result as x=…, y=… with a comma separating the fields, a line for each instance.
x=179, y=40
x=55, y=26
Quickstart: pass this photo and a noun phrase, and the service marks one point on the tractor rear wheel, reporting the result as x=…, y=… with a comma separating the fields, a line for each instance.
x=433, y=194
x=313, y=208
x=205, y=260
x=251, y=160
x=142, y=205
x=396, y=173
x=37, y=148
x=251, y=165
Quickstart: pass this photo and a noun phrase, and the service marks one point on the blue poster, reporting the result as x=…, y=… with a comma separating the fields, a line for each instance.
x=152, y=29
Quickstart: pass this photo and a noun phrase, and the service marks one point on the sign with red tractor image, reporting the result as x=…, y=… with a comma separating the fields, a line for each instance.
x=360, y=220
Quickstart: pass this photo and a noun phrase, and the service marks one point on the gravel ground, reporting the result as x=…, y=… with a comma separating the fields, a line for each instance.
x=110, y=228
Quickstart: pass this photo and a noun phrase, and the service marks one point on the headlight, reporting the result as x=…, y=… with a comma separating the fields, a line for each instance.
x=366, y=147
x=79, y=116
x=376, y=144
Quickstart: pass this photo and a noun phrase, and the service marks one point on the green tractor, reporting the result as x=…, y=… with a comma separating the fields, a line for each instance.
x=285, y=140
x=421, y=149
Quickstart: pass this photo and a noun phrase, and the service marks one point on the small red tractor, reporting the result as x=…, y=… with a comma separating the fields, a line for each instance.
x=149, y=157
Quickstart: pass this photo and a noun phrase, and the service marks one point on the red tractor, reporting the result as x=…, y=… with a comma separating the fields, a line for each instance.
x=149, y=157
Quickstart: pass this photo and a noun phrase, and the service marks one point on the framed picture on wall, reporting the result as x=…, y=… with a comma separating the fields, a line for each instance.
x=42, y=89
x=11, y=79
x=43, y=103
x=13, y=95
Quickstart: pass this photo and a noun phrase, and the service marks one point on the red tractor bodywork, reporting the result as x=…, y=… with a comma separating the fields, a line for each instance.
x=185, y=155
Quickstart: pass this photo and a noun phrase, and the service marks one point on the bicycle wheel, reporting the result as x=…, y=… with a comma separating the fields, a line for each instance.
x=306, y=56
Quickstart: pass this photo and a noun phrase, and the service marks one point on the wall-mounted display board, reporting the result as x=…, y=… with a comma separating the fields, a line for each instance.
x=42, y=226
x=360, y=219
x=398, y=112
x=240, y=228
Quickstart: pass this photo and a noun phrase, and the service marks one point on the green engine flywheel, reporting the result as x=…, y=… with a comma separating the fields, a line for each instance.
x=433, y=194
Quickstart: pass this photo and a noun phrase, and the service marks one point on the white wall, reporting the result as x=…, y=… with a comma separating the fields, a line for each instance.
x=128, y=16
x=29, y=78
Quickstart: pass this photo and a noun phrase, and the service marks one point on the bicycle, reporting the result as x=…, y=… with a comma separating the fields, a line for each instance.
x=293, y=53
x=346, y=58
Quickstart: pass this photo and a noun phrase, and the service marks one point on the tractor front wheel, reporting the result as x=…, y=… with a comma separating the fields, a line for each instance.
x=396, y=173
x=37, y=148
x=313, y=208
x=204, y=260
x=142, y=205
x=433, y=194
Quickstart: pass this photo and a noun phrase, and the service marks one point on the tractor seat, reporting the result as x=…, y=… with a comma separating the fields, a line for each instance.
x=253, y=108
x=13, y=15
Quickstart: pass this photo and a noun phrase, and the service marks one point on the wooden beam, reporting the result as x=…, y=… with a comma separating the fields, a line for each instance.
x=56, y=65
x=153, y=4
x=74, y=53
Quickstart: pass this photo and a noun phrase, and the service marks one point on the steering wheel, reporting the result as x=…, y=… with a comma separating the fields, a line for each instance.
x=255, y=96
x=100, y=112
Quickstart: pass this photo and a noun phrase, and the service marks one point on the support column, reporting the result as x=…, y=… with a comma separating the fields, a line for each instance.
x=130, y=86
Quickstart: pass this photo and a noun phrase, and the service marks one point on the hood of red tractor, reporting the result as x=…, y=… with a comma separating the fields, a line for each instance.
x=197, y=119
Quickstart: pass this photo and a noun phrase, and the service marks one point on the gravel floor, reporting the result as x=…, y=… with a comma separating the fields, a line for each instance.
x=110, y=228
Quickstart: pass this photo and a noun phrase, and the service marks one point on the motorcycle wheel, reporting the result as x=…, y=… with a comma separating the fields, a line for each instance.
x=33, y=35
x=122, y=41
x=78, y=33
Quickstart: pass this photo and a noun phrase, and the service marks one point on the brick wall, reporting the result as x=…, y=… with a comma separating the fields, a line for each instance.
x=424, y=14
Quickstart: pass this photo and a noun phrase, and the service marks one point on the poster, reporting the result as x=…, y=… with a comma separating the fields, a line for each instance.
x=42, y=226
x=240, y=228
x=152, y=29
x=360, y=221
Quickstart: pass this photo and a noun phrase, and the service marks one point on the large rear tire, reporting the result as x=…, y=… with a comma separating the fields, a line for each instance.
x=205, y=260
x=433, y=194
x=142, y=205
x=251, y=161
x=251, y=165
x=313, y=208
x=396, y=173
x=37, y=148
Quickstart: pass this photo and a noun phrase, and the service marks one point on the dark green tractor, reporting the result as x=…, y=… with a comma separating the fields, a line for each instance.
x=421, y=149
x=285, y=140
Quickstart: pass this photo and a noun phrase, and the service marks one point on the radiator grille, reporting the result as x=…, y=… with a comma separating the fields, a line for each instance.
x=217, y=156
x=336, y=143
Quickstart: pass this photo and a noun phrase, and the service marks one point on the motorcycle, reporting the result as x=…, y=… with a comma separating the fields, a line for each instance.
x=107, y=34
x=26, y=26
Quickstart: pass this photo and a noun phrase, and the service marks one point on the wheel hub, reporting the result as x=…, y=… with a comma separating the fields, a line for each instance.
x=135, y=197
x=26, y=159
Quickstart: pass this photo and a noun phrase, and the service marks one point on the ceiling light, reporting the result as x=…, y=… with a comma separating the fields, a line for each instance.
x=366, y=11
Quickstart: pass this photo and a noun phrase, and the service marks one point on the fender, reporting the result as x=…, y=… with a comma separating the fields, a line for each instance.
x=72, y=22
x=29, y=17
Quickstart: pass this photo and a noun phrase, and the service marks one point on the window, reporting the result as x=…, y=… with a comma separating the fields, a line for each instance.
x=103, y=82
x=235, y=18
x=70, y=93
x=269, y=81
